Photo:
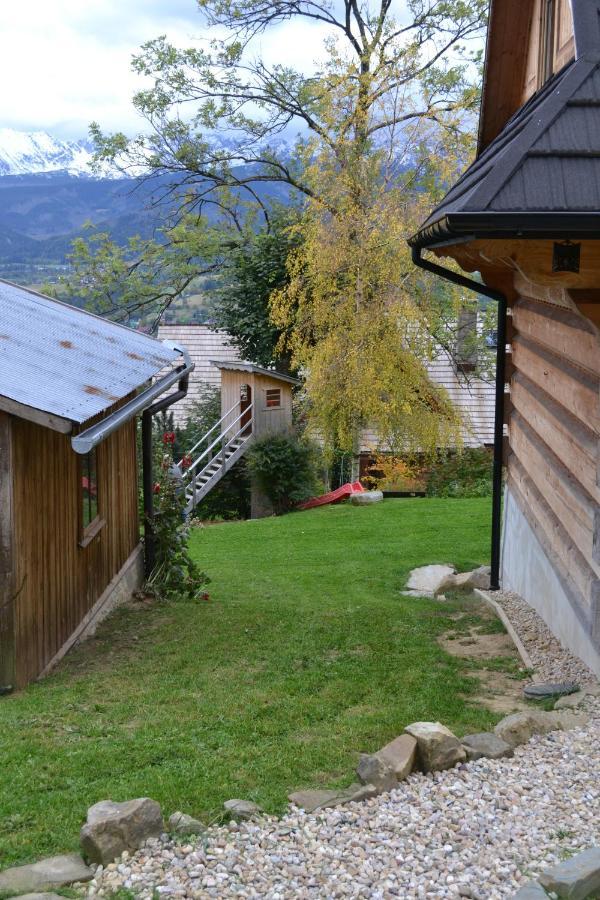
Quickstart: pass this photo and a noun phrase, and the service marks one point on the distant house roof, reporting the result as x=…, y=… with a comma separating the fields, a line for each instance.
x=257, y=370
x=540, y=176
x=64, y=361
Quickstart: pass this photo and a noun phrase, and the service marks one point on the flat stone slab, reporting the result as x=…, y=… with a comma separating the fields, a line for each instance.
x=55, y=872
x=486, y=744
x=576, y=878
x=550, y=689
x=531, y=891
x=313, y=800
x=429, y=579
x=519, y=727
x=45, y=895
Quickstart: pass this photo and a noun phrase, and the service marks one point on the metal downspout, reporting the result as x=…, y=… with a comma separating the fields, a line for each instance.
x=500, y=298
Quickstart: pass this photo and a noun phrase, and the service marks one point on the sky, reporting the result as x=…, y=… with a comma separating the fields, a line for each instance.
x=66, y=63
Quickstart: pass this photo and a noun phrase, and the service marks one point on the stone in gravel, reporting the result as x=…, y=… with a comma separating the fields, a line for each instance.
x=313, y=800
x=400, y=754
x=366, y=498
x=531, y=891
x=242, y=809
x=429, y=579
x=112, y=828
x=373, y=769
x=486, y=744
x=55, y=872
x=181, y=823
x=437, y=747
x=519, y=727
x=576, y=878
x=549, y=689
x=571, y=701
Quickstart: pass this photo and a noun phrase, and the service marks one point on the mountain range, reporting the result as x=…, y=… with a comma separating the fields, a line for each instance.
x=29, y=153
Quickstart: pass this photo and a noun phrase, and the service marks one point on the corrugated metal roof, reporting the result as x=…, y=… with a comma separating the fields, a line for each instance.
x=62, y=360
x=257, y=370
x=545, y=160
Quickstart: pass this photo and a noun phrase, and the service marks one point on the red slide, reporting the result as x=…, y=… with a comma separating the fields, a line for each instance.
x=342, y=493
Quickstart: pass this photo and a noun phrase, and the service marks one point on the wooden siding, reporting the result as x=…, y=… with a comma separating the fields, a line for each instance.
x=7, y=589
x=58, y=580
x=554, y=432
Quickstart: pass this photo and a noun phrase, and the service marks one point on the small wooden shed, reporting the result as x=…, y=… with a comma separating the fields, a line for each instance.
x=262, y=397
x=69, y=529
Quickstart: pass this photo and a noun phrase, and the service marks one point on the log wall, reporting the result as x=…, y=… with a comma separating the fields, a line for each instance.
x=58, y=581
x=554, y=435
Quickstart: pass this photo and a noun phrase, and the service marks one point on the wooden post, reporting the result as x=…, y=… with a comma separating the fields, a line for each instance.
x=7, y=563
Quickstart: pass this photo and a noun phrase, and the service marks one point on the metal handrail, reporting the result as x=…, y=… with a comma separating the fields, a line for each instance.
x=240, y=431
x=220, y=437
x=210, y=431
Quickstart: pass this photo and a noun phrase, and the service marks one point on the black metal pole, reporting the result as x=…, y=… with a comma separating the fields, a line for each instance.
x=500, y=298
x=148, y=491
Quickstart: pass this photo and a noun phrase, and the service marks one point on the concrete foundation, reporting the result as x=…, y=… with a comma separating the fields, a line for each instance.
x=260, y=505
x=527, y=570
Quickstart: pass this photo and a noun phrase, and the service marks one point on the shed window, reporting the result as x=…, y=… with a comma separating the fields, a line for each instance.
x=547, y=44
x=90, y=521
x=273, y=398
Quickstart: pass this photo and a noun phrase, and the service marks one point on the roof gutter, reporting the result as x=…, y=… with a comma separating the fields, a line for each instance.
x=500, y=298
x=85, y=441
x=466, y=226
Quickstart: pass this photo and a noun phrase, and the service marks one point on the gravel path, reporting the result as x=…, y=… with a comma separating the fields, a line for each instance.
x=552, y=662
x=479, y=830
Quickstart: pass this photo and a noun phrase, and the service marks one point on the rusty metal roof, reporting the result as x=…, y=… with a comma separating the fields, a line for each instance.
x=67, y=362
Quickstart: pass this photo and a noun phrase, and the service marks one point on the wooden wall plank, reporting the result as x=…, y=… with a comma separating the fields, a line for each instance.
x=62, y=581
x=559, y=330
x=572, y=388
x=560, y=490
x=7, y=566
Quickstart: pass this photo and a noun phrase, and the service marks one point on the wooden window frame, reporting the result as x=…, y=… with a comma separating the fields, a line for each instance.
x=269, y=405
x=88, y=532
x=547, y=40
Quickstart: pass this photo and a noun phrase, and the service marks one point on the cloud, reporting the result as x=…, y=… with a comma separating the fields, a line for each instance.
x=66, y=63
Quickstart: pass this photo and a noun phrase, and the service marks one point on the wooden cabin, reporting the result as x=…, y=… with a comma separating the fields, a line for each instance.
x=69, y=529
x=262, y=397
x=526, y=217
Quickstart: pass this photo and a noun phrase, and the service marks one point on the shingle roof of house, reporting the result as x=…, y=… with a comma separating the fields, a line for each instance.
x=540, y=176
x=67, y=362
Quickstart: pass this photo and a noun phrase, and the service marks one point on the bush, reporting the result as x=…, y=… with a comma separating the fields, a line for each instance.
x=467, y=473
x=286, y=468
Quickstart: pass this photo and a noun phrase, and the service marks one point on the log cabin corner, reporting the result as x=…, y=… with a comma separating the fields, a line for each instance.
x=526, y=216
x=69, y=529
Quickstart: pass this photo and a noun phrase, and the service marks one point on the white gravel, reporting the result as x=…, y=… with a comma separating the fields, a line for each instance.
x=479, y=830
x=552, y=662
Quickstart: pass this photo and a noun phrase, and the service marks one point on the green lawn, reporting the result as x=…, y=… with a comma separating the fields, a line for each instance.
x=305, y=655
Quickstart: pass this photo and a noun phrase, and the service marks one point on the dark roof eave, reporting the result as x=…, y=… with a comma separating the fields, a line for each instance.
x=466, y=226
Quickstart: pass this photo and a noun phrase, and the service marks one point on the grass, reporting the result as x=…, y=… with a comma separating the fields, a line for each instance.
x=305, y=655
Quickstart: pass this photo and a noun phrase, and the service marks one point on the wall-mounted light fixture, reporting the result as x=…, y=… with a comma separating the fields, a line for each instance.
x=566, y=257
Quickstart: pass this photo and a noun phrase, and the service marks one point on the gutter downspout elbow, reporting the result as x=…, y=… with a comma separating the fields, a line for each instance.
x=500, y=298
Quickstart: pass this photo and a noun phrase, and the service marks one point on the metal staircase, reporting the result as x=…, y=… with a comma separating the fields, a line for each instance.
x=223, y=451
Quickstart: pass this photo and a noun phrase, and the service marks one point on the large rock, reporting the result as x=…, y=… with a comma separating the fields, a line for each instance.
x=366, y=498
x=55, y=872
x=531, y=891
x=468, y=581
x=242, y=809
x=576, y=878
x=429, y=580
x=181, y=823
x=486, y=744
x=437, y=747
x=373, y=769
x=112, y=828
x=45, y=895
x=400, y=754
x=519, y=727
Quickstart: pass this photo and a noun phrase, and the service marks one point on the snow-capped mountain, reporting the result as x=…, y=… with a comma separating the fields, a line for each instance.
x=29, y=153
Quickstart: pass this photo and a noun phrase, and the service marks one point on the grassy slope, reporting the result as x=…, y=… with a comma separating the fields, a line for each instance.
x=305, y=655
